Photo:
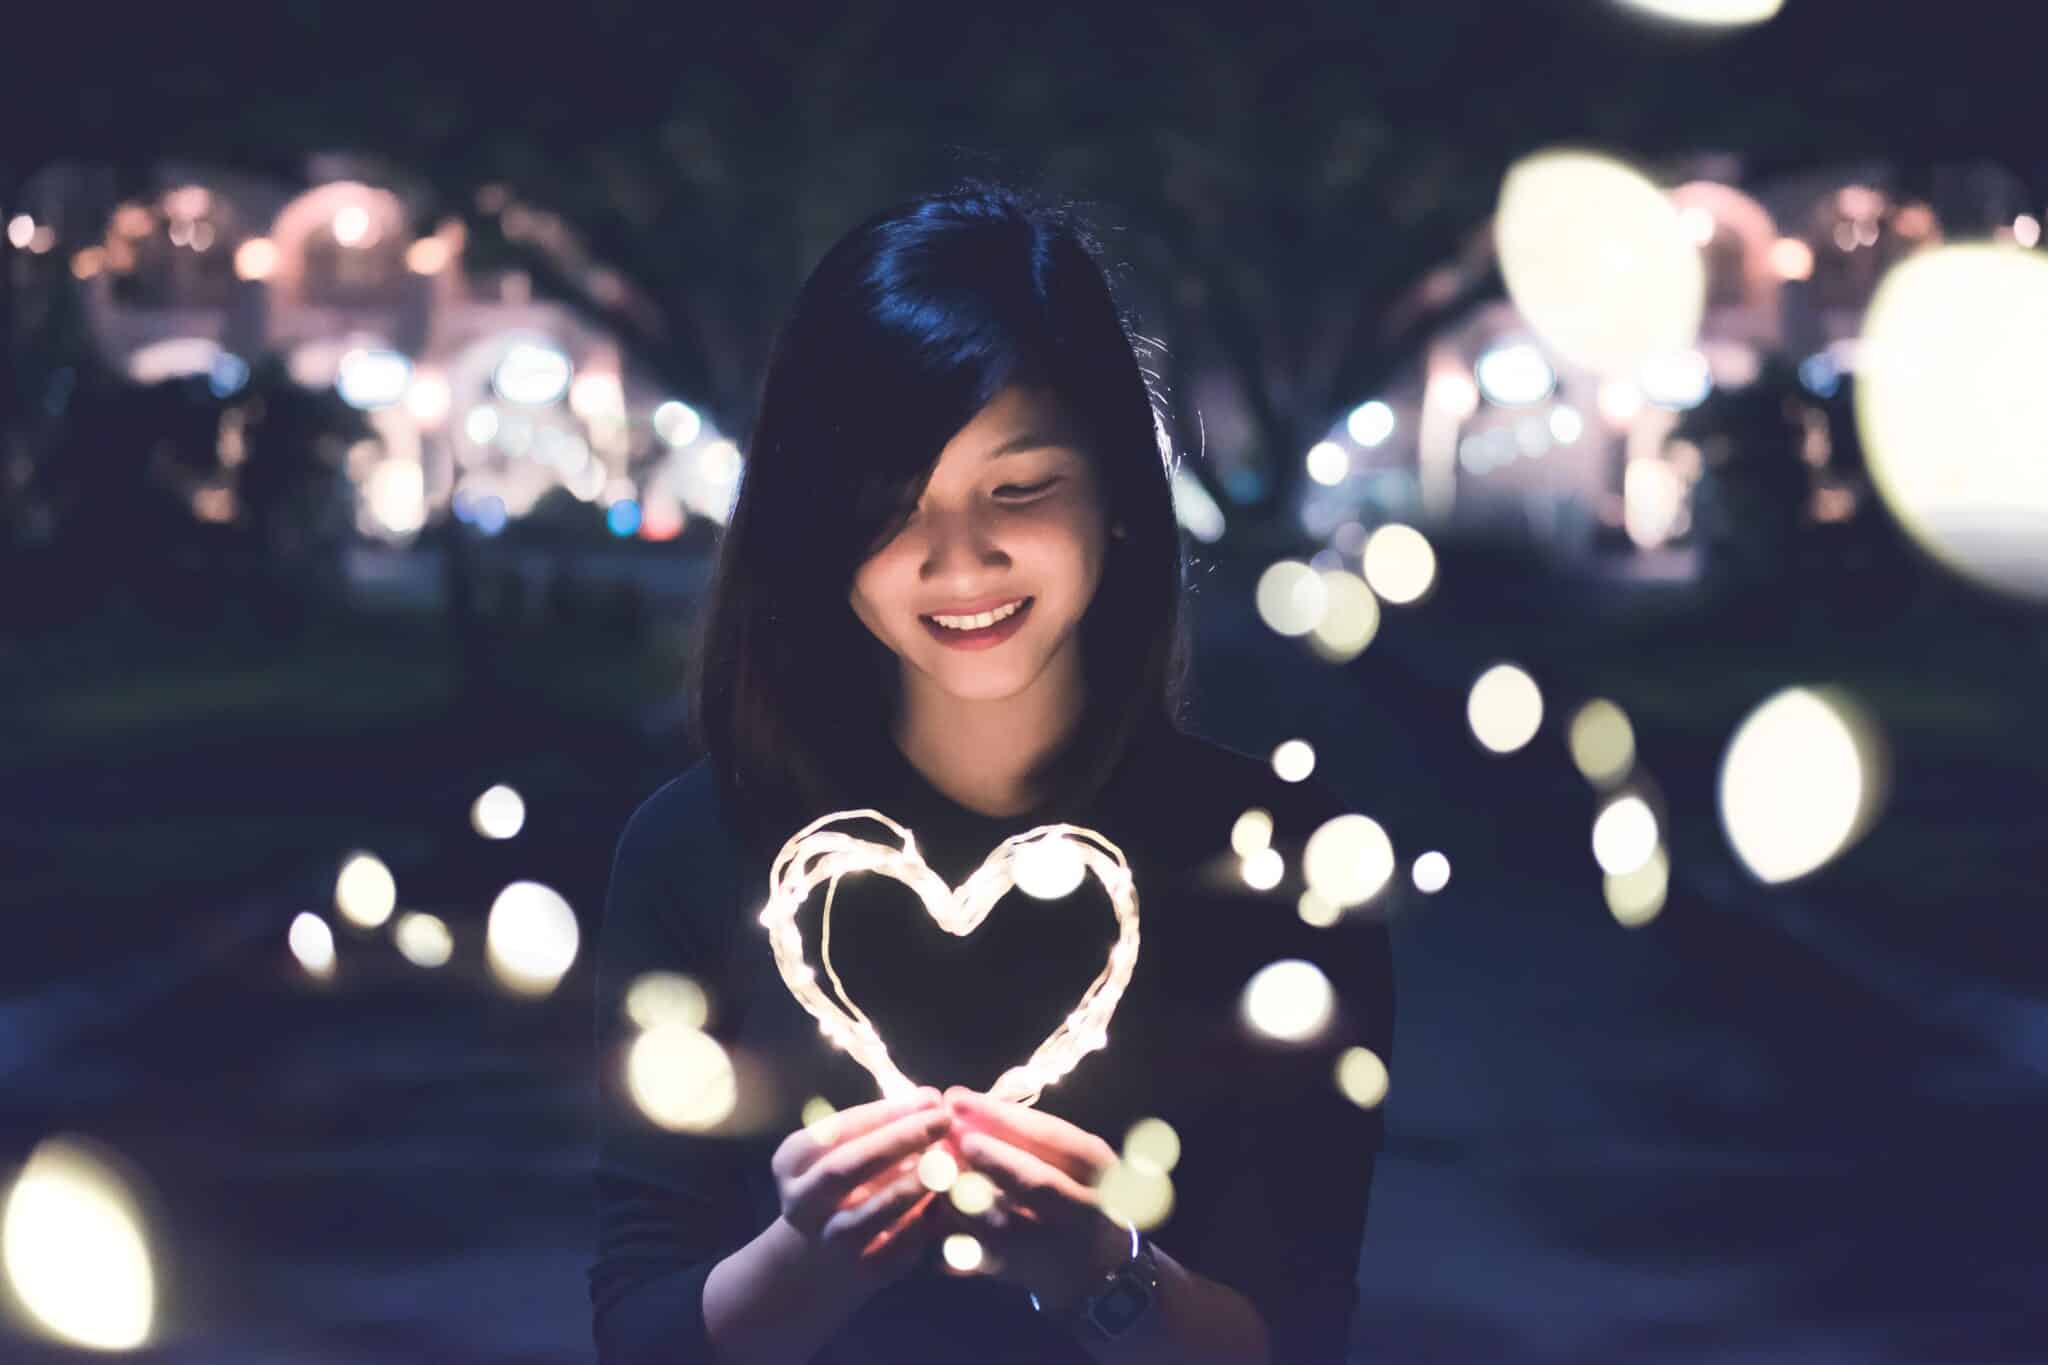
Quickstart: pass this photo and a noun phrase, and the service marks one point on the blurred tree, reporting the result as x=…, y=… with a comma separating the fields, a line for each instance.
x=296, y=502
x=178, y=499
x=1751, y=498
x=1295, y=196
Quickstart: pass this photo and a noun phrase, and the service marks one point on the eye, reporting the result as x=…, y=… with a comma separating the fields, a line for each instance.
x=1026, y=489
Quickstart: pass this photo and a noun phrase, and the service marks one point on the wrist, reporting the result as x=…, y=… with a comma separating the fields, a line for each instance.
x=1110, y=1249
x=834, y=1279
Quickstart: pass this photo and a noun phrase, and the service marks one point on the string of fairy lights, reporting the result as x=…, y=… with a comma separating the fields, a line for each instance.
x=1047, y=862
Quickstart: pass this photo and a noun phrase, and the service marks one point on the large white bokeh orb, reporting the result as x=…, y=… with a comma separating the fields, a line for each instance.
x=1803, y=778
x=1598, y=261
x=1708, y=13
x=1953, y=411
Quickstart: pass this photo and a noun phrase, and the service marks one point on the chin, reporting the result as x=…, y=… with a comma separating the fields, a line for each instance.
x=963, y=679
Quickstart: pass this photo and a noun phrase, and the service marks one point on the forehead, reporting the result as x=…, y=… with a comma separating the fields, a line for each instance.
x=1016, y=418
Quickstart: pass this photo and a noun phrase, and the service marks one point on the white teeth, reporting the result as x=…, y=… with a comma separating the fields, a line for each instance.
x=985, y=619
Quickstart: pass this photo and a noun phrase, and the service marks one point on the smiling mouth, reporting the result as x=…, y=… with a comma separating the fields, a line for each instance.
x=999, y=627
x=955, y=621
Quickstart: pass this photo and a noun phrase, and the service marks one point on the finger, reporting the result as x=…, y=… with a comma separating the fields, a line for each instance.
x=891, y=1249
x=861, y=1192
x=812, y=1141
x=1075, y=1150
x=1028, y=1180
x=832, y=1175
x=876, y=1213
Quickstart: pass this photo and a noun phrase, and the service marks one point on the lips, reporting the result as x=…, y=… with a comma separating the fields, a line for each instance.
x=987, y=635
x=976, y=608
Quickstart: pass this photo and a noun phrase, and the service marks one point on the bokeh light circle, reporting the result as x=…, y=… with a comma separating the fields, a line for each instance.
x=1398, y=563
x=661, y=997
x=1290, y=597
x=1136, y=1195
x=75, y=1249
x=1289, y=1001
x=365, y=891
x=1348, y=860
x=1801, y=780
x=1293, y=760
x=1362, y=1077
x=1953, y=413
x=1597, y=259
x=1152, y=1142
x=681, y=1078
x=1504, y=709
x=1602, y=741
x=499, y=813
x=1351, y=617
x=1624, y=835
x=530, y=938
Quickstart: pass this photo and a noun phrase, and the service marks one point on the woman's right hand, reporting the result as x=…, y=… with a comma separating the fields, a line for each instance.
x=849, y=1184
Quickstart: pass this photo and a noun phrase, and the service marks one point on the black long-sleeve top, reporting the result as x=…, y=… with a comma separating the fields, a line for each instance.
x=1271, y=1188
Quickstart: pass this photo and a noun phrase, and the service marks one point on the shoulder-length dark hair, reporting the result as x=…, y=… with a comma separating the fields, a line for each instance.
x=909, y=325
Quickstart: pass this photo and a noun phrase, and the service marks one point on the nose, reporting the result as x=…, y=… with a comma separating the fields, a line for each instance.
x=957, y=545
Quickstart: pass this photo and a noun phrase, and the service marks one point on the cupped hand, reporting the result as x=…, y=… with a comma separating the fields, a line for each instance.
x=849, y=1184
x=1047, y=1230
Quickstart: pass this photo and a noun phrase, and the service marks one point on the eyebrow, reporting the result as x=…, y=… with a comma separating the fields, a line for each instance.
x=1030, y=440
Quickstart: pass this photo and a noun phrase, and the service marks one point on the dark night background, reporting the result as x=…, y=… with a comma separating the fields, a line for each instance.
x=1775, y=1123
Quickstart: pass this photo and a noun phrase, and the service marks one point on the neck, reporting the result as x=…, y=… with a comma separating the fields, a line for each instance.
x=979, y=753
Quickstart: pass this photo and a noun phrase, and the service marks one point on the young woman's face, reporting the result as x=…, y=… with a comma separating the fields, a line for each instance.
x=1013, y=510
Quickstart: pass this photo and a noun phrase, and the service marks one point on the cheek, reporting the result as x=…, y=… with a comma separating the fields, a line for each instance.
x=869, y=598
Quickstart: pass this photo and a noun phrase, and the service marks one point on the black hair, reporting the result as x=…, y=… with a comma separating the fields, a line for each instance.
x=906, y=328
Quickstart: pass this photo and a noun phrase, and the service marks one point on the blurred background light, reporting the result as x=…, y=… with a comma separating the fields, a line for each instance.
x=1953, y=412
x=1294, y=760
x=1328, y=463
x=677, y=423
x=365, y=891
x=312, y=943
x=1252, y=831
x=1677, y=379
x=76, y=1250
x=423, y=939
x=372, y=378
x=1289, y=1001
x=531, y=938
x=1708, y=13
x=534, y=373
x=1350, y=619
x=498, y=813
x=1370, y=423
x=1291, y=597
x=1514, y=374
x=1802, y=778
x=1504, y=708
x=1348, y=860
x=1432, y=873
x=661, y=997
x=1624, y=835
x=1597, y=259
x=1362, y=1077
x=1399, y=564
x=1602, y=742
x=681, y=1078
x=1636, y=897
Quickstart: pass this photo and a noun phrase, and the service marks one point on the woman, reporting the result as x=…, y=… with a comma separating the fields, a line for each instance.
x=950, y=590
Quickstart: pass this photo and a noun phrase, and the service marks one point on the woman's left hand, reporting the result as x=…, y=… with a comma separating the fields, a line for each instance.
x=1046, y=1231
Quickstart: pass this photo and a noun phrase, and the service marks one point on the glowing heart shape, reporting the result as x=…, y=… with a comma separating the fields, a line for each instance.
x=1048, y=861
